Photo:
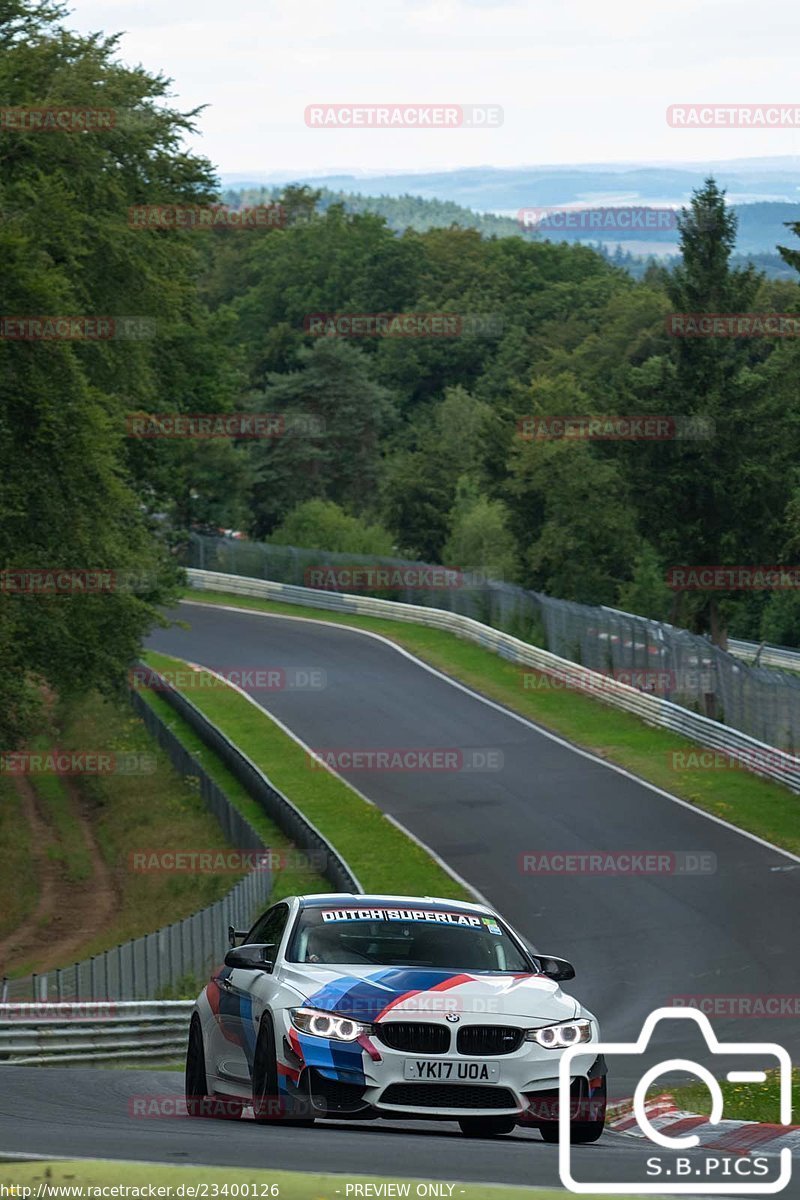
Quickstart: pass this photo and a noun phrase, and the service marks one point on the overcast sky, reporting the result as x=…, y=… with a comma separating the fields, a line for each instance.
x=579, y=80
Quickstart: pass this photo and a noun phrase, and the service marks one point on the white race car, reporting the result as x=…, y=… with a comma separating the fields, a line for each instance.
x=352, y=1006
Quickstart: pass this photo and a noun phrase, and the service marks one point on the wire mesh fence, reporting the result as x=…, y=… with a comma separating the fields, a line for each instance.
x=654, y=657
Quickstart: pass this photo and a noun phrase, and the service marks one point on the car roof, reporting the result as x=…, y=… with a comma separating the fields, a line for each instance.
x=359, y=900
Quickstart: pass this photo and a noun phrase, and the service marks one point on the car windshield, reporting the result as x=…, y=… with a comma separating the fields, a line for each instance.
x=399, y=937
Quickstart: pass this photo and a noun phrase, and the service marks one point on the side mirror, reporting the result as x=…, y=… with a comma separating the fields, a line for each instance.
x=258, y=956
x=233, y=934
x=557, y=969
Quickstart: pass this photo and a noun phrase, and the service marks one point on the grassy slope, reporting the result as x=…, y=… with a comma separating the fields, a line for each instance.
x=287, y=881
x=763, y=808
x=18, y=888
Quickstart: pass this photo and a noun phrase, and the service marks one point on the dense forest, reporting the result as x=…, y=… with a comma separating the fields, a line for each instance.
x=410, y=445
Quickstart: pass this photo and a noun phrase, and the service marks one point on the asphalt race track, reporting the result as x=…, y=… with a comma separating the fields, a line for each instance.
x=69, y=1112
x=636, y=941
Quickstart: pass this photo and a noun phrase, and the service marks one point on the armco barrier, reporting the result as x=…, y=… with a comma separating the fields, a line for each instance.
x=782, y=657
x=753, y=755
x=758, y=696
x=277, y=806
x=44, y=1033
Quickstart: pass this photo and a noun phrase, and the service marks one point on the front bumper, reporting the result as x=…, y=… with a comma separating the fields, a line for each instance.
x=348, y=1079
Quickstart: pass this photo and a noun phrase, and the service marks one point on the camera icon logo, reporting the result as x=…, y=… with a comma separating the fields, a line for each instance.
x=696, y=1182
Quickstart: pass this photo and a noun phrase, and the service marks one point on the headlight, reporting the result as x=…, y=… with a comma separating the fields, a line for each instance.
x=559, y=1037
x=327, y=1025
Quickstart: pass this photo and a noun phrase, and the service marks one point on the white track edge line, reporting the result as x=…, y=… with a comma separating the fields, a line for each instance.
x=553, y=737
x=481, y=899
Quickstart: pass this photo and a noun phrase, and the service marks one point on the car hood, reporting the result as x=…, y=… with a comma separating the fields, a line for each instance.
x=367, y=993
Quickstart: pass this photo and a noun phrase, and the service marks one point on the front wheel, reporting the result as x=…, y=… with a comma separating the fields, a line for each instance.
x=268, y=1104
x=582, y=1131
x=198, y=1101
x=486, y=1126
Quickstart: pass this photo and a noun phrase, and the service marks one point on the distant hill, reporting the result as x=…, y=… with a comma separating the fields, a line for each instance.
x=505, y=190
x=762, y=226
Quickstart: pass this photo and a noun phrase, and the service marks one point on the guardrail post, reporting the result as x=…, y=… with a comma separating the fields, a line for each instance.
x=133, y=971
x=59, y=988
x=34, y=977
x=5, y=988
x=92, y=978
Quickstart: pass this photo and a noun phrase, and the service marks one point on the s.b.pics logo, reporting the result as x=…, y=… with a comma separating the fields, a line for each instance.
x=712, y=1159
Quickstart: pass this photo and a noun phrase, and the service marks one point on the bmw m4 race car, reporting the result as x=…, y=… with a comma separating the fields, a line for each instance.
x=352, y=1006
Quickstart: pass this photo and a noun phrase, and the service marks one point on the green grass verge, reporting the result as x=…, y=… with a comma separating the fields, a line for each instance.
x=19, y=891
x=379, y=853
x=288, y=1185
x=289, y=880
x=743, y=1101
x=69, y=848
x=754, y=804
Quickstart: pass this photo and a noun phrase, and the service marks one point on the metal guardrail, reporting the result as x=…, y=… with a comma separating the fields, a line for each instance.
x=275, y=804
x=757, y=696
x=755, y=756
x=765, y=655
x=41, y=1033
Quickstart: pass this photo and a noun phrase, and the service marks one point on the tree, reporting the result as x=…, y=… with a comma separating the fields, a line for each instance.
x=334, y=416
x=480, y=539
x=443, y=444
x=67, y=498
x=646, y=593
x=720, y=498
x=323, y=525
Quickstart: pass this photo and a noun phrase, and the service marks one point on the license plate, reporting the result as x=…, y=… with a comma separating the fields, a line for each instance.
x=454, y=1072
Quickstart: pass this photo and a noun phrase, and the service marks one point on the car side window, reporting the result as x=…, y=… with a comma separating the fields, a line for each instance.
x=270, y=927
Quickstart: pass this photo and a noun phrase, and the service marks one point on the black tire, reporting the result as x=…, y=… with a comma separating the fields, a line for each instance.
x=486, y=1126
x=198, y=1101
x=269, y=1106
x=581, y=1132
